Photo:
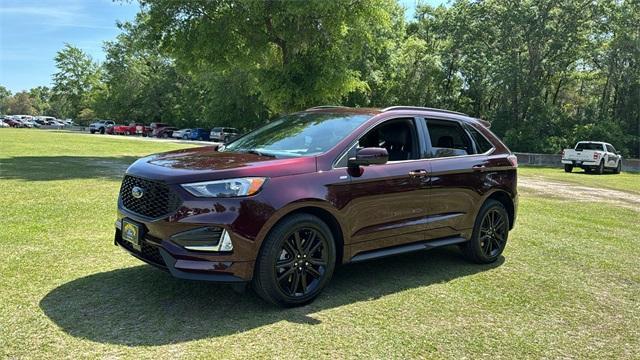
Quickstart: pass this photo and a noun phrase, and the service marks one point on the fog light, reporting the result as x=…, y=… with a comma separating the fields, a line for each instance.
x=225, y=243
x=210, y=239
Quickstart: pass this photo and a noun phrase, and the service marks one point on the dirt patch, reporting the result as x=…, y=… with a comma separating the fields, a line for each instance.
x=581, y=193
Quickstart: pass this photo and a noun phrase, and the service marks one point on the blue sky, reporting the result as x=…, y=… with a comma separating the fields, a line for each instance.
x=32, y=31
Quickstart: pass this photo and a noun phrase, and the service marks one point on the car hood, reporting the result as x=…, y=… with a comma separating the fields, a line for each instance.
x=206, y=163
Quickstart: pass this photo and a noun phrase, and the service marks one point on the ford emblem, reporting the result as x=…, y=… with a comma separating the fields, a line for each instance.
x=137, y=192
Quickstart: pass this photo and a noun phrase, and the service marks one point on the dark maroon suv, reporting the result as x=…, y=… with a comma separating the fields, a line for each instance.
x=283, y=205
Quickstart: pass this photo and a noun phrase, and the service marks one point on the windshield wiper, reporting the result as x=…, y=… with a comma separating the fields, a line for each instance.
x=256, y=152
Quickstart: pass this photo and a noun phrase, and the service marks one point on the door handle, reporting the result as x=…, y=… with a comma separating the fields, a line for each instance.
x=418, y=173
x=479, y=167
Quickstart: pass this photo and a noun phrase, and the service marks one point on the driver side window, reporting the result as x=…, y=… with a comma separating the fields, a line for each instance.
x=398, y=136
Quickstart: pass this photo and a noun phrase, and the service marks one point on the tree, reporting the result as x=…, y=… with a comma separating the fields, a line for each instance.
x=5, y=94
x=20, y=103
x=77, y=77
x=297, y=53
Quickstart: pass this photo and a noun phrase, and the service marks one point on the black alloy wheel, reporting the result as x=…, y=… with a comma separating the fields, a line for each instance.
x=490, y=234
x=296, y=261
x=493, y=233
x=302, y=262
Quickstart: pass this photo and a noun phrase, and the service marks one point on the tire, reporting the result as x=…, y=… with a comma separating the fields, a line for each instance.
x=199, y=138
x=490, y=234
x=127, y=133
x=600, y=168
x=165, y=136
x=299, y=283
x=92, y=131
x=226, y=139
x=102, y=131
x=184, y=137
x=568, y=168
x=618, y=169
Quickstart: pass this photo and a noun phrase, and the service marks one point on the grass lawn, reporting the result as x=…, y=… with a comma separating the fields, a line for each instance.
x=624, y=181
x=568, y=285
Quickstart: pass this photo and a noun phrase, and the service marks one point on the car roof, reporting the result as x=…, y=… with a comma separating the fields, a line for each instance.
x=404, y=110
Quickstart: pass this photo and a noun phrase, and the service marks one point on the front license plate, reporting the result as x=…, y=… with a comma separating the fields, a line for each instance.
x=131, y=233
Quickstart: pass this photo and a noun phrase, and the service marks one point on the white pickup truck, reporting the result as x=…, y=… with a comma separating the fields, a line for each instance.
x=592, y=156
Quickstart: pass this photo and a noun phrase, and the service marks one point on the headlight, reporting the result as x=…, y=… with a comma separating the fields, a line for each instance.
x=226, y=188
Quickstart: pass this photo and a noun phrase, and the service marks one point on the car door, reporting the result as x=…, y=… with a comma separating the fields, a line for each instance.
x=457, y=175
x=611, y=157
x=387, y=204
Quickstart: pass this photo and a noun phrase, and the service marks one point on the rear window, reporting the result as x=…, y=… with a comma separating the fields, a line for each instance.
x=216, y=129
x=588, y=146
x=482, y=144
x=448, y=138
x=230, y=130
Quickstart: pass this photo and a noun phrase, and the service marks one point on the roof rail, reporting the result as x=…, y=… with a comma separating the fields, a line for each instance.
x=325, y=107
x=422, y=108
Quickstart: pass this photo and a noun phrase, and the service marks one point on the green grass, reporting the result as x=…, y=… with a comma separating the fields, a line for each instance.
x=568, y=285
x=624, y=181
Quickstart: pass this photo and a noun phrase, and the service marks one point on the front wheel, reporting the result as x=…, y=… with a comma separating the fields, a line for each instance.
x=618, y=169
x=92, y=131
x=296, y=261
x=490, y=234
x=568, y=168
x=102, y=131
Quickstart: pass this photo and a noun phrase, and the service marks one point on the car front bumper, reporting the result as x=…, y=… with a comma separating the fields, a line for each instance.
x=185, y=264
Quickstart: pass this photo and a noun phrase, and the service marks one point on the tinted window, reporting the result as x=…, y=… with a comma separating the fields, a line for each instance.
x=448, y=138
x=230, y=130
x=482, y=144
x=301, y=134
x=588, y=146
x=216, y=129
x=398, y=136
x=610, y=149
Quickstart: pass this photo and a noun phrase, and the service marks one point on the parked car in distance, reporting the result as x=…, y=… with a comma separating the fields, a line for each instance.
x=100, y=126
x=182, y=134
x=132, y=129
x=13, y=122
x=592, y=156
x=4, y=124
x=155, y=127
x=32, y=123
x=224, y=134
x=199, y=134
x=282, y=206
x=165, y=132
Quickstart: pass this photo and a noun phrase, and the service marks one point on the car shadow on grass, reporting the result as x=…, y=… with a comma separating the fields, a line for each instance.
x=46, y=168
x=143, y=306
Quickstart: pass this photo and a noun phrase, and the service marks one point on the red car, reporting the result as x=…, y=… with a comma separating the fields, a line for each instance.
x=282, y=206
x=131, y=129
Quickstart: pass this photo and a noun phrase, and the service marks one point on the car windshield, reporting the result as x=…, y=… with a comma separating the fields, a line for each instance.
x=303, y=134
x=588, y=146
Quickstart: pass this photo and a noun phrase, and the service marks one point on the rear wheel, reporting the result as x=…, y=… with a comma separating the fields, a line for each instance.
x=184, y=137
x=296, y=261
x=600, y=168
x=92, y=131
x=102, y=131
x=226, y=139
x=490, y=234
x=568, y=168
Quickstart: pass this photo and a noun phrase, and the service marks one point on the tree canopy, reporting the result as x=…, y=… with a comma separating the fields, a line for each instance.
x=546, y=73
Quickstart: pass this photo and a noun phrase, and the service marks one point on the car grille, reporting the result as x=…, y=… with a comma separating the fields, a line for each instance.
x=158, y=199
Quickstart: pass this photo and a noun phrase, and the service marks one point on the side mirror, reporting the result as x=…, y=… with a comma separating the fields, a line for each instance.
x=369, y=156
